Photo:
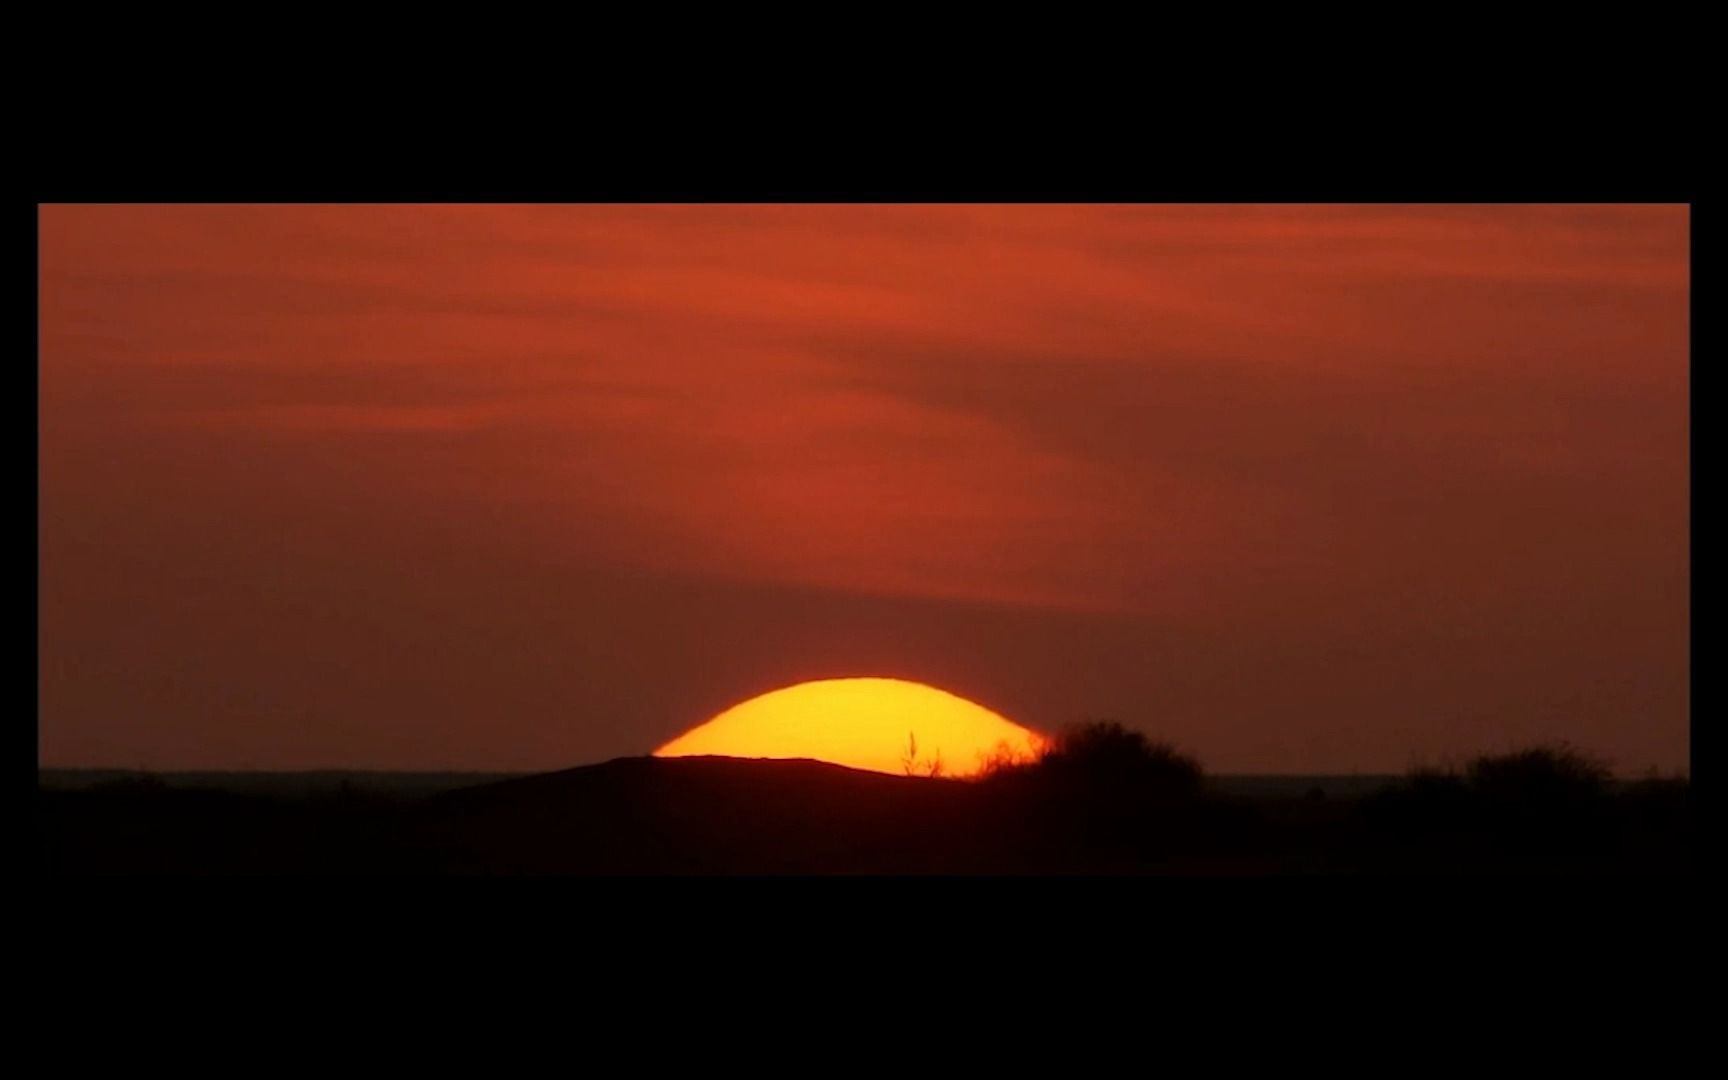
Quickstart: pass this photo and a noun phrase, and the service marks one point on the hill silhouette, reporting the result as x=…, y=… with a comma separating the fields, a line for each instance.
x=1103, y=801
x=695, y=815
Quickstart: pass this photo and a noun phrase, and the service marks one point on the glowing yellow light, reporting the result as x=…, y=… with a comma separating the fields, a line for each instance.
x=862, y=723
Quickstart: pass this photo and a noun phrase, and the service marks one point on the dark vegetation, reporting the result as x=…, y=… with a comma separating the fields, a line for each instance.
x=1102, y=799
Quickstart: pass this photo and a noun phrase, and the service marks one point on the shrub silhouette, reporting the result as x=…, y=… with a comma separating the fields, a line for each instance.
x=1547, y=794
x=1109, y=755
x=1104, y=756
x=1547, y=775
x=1542, y=797
x=1002, y=758
x=1098, y=794
x=1426, y=802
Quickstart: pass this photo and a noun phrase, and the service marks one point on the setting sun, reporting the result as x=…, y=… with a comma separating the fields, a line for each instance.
x=884, y=725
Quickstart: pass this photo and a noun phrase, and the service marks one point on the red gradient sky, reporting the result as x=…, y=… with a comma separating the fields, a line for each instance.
x=1301, y=488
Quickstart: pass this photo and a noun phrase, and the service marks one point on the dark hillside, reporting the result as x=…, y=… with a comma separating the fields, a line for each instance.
x=1134, y=809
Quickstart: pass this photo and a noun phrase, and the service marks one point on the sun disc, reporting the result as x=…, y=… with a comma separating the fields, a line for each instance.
x=883, y=725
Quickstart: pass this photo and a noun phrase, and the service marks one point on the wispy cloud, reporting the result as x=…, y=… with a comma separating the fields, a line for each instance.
x=927, y=399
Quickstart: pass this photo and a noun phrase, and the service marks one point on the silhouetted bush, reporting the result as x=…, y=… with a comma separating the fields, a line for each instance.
x=1426, y=803
x=1004, y=757
x=1100, y=795
x=1105, y=757
x=1543, y=798
x=1542, y=775
x=1110, y=755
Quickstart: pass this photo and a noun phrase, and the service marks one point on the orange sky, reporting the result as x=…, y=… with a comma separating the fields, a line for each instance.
x=1303, y=488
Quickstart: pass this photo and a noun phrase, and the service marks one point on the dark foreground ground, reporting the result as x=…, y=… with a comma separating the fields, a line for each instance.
x=735, y=816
